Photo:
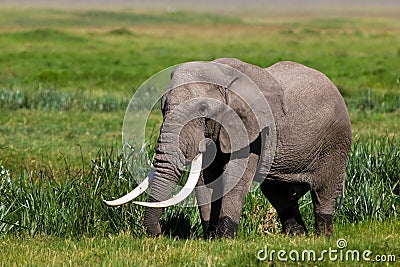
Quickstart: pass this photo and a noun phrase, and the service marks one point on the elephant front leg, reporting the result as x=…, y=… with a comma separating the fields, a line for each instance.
x=236, y=184
x=203, y=196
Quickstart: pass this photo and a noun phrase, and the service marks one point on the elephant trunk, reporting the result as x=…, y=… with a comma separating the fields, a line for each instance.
x=178, y=144
x=161, y=189
x=169, y=164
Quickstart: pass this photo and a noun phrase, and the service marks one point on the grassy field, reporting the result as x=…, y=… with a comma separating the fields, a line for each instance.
x=66, y=78
x=123, y=250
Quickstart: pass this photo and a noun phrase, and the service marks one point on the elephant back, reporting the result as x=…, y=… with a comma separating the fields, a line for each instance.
x=316, y=117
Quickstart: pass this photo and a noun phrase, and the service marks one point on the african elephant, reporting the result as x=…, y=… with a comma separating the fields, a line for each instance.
x=285, y=126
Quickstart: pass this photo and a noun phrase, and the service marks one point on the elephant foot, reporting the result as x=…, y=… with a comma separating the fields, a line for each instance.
x=292, y=227
x=226, y=228
x=323, y=224
x=292, y=223
x=206, y=228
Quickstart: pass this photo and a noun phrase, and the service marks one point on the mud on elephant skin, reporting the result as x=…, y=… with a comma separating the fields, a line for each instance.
x=285, y=126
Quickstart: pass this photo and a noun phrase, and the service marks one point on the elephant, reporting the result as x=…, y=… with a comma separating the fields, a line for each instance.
x=285, y=126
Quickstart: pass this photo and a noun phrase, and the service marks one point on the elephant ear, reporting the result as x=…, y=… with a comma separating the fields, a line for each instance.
x=247, y=100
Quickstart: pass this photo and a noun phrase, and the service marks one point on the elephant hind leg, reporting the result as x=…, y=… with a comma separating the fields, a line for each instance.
x=324, y=204
x=329, y=186
x=284, y=198
x=324, y=200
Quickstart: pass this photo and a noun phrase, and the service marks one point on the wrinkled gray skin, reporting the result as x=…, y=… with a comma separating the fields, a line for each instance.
x=313, y=141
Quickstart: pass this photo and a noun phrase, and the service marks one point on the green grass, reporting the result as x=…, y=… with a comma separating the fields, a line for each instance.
x=355, y=53
x=59, y=67
x=98, y=18
x=66, y=78
x=123, y=250
x=39, y=203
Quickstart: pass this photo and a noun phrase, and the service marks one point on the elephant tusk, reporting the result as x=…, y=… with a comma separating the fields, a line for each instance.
x=186, y=190
x=134, y=193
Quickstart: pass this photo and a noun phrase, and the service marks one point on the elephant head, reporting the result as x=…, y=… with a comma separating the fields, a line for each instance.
x=207, y=104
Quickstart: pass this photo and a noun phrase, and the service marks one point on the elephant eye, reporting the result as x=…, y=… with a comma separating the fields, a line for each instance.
x=203, y=109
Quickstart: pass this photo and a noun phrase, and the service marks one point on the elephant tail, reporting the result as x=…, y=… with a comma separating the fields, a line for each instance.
x=340, y=205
